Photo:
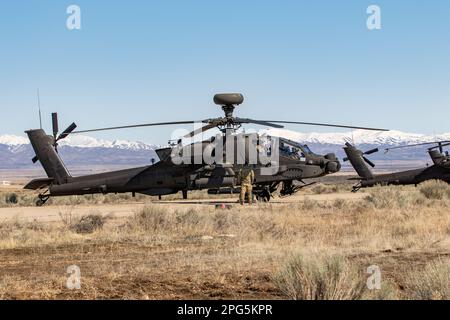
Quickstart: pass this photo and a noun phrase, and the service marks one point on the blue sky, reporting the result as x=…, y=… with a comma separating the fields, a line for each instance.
x=149, y=61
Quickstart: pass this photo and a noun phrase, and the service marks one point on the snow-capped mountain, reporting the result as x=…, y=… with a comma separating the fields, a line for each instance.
x=78, y=150
x=323, y=143
x=15, y=151
x=81, y=141
x=359, y=137
x=11, y=140
x=89, y=142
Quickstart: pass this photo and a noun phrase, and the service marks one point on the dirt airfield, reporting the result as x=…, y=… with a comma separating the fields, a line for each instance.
x=317, y=244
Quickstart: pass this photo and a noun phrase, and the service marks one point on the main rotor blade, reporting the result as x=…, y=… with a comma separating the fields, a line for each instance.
x=325, y=125
x=138, y=126
x=222, y=121
x=200, y=130
x=258, y=122
x=418, y=144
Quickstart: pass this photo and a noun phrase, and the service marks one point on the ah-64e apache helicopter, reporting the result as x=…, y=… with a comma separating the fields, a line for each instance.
x=440, y=170
x=294, y=163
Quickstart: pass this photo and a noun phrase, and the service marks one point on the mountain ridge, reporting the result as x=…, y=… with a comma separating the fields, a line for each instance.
x=16, y=152
x=392, y=137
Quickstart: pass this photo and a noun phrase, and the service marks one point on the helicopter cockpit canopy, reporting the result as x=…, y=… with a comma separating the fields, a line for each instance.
x=294, y=150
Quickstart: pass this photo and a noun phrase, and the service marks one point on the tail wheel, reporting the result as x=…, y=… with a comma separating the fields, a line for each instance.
x=42, y=199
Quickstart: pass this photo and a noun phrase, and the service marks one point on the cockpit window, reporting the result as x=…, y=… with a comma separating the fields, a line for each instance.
x=296, y=152
x=306, y=149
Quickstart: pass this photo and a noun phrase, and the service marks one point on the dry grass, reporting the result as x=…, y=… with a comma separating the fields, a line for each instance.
x=430, y=283
x=325, y=188
x=435, y=190
x=320, y=278
x=165, y=251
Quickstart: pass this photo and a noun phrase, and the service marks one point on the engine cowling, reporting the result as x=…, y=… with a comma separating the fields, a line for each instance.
x=330, y=156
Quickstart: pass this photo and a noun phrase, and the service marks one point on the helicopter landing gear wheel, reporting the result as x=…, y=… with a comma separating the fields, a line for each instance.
x=264, y=196
x=42, y=200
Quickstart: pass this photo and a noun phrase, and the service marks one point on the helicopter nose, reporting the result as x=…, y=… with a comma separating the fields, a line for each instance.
x=333, y=166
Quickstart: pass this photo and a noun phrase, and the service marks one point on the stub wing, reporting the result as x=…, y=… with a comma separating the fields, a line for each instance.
x=38, y=183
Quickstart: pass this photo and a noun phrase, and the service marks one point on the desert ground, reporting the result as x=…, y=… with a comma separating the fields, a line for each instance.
x=316, y=244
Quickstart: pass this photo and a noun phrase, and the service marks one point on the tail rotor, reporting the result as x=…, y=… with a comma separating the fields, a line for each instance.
x=64, y=134
x=55, y=131
x=362, y=154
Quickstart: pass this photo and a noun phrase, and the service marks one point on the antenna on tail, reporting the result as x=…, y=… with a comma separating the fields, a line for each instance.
x=39, y=107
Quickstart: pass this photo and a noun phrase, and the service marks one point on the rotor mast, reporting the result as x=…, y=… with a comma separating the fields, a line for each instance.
x=228, y=101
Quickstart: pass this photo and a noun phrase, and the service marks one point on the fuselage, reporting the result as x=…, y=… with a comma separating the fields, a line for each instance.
x=409, y=177
x=288, y=161
x=165, y=177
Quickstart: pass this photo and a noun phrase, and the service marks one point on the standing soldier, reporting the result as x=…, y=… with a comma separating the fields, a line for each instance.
x=246, y=176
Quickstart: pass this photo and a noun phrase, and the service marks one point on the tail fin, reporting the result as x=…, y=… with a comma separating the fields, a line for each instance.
x=47, y=155
x=356, y=158
x=436, y=156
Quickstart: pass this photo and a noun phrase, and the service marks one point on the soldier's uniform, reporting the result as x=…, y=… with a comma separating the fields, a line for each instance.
x=246, y=176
